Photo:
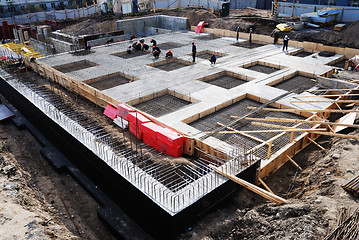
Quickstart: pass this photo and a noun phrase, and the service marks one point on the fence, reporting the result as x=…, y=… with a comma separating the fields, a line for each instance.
x=348, y=14
x=52, y=15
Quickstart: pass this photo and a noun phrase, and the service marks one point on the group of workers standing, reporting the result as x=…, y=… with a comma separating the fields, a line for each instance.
x=141, y=45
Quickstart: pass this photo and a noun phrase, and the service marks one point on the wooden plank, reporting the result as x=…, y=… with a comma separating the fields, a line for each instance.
x=302, y=110
x=294, y=163
x=344, y=122
x=270, y=119
x=325, y=96
x=268, y=195
x=325, y=101
x=265, y=185
x=239, y=132
x=281, y=130
x=315, y=143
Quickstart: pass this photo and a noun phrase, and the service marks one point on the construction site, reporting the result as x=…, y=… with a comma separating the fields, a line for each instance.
x=260, y=145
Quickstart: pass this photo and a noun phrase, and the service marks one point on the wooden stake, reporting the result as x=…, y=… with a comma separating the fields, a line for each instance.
x=242, y=133
x=265, y=185
x=268, y=195
x=269, y=149
x=270, y=119
x=301, y=110
x=317, y=144
x=278, y=126
x=294, y=163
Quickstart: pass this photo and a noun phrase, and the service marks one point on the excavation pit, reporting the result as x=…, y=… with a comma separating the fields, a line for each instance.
x=226, y=79
x=169, y=45
x=302, y=54
x=127, y=55
x=246, y=44
x=298, y=82
x=109, y=81
x=162, y=105
x=262, y=68
x=210, y=122
x=170, y=64
x=206, y=54
x=75, y=66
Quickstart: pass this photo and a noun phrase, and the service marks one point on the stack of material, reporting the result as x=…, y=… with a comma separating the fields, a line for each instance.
x=352, y=186
x=348, y=226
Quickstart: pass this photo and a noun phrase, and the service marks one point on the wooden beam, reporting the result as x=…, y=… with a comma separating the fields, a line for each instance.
x=281, y=130
x=265, y=185
x=332, y=95
x=268, y=195
x=324, y=101
x=317, y=144
x=333, y=90
x=294, y=163
x=269, y=149
x=302, y=110
x=242, y=133
x=270, y=119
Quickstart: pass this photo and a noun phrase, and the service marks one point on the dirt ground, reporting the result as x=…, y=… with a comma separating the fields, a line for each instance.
x=38, y=203
x=260, y=21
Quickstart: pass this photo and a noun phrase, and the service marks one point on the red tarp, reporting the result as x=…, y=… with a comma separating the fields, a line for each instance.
x=123, y=110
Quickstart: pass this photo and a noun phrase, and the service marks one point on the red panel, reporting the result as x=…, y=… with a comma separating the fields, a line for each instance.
x=150, y=129
x=199, y=27
x=138, y=134
x=170, y=137
x=136, y=117
x=150, y=141
x=123, y=110
x=174, y=151
x=110, y=111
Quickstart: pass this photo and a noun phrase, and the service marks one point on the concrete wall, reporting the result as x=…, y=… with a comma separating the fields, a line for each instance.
x=62, y=46
x=348, y=14
x=42, y=47
x=103, y=40
x=152, y=25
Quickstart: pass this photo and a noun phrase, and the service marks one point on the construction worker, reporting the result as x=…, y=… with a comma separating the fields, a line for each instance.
x=138, y=46
x=145, y=46
x=169, y=54
x=285, y=43
x=129, y=49
x=154, y=43
x=156, y=51
x=142, y=40
x=213, y=59
x=194, y=51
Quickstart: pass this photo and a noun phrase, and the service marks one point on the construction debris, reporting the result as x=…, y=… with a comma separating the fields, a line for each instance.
x=352, y=186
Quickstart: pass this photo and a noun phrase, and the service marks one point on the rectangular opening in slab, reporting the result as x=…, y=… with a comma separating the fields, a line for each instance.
x=127, y=55
x=206, y=37
x=226, y=79
x=109, y=81
x=169, y=45
x=170, y=64
x=206, y=54
x=162, y=105
x=298, y=82
x=340, y=64
x=209, y=124
x=260, y=67
x=246, y=44
x=75, y=66
x=302, y=54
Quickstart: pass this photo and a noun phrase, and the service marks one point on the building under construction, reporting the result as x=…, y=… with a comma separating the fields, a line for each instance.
x=186, y=118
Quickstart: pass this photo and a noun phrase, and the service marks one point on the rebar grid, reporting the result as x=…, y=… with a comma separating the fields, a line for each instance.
x=296, y=82
x=196, y=178
x=209, y=124
x=226, y=81
x=162, y=105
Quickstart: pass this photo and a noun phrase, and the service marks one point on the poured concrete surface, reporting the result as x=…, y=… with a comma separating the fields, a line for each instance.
x=186, y=80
